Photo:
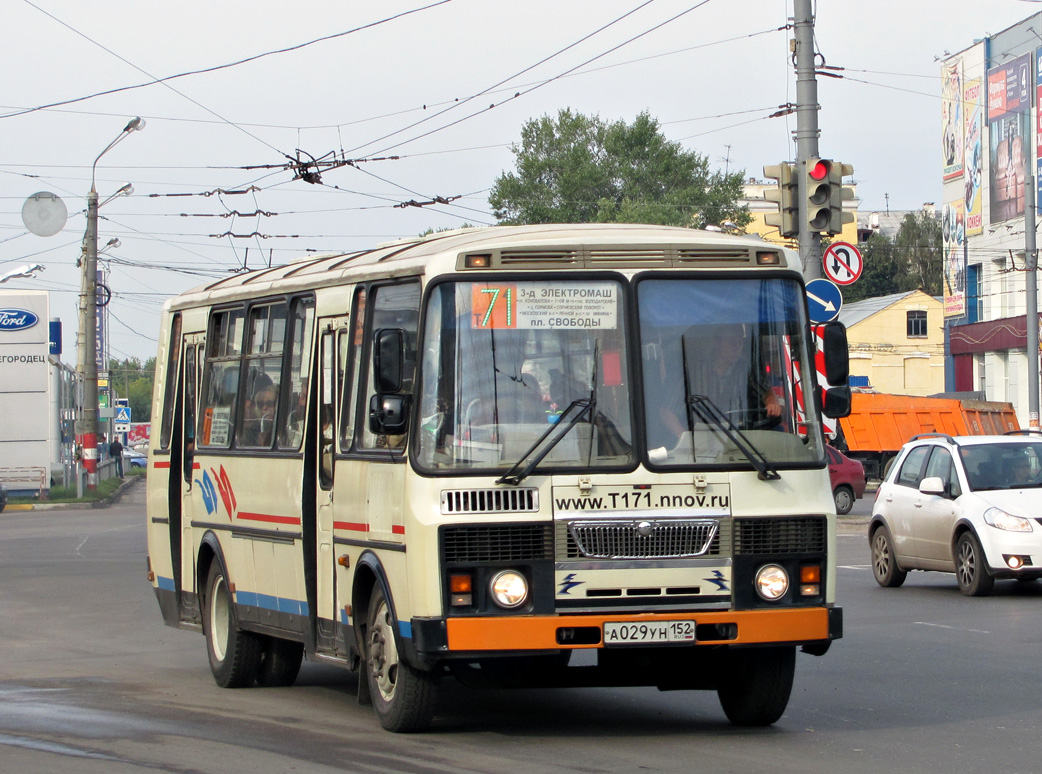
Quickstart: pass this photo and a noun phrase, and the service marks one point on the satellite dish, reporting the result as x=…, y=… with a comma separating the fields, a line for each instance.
x=44, y=214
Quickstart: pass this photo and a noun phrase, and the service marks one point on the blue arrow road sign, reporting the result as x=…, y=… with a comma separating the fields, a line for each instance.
x=824, y=300
x=123, y=413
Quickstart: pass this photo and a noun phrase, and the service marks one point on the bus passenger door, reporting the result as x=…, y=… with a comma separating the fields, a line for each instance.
x=190, y=390
x=329, y=385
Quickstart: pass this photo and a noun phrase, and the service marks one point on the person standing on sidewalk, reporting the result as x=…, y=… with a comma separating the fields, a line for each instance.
x=116, y=452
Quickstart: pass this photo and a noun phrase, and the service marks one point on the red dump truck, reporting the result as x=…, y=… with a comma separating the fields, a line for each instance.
x=880, y=423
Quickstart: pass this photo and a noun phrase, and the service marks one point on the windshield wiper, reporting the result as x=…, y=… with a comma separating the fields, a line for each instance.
x=514, y=476
x=711, y=414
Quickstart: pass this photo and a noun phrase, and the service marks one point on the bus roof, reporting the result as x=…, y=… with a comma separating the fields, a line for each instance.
x=545, y=246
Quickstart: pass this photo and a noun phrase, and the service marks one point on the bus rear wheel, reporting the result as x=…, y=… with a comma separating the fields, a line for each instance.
x=403, y=697
x=235, y=655
x=755, y=690
x=280, y=663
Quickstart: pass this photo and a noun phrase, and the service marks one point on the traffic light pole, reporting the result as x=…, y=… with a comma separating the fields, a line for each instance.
x=806, y=130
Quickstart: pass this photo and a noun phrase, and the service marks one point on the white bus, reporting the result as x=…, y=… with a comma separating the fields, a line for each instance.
x=539, y=455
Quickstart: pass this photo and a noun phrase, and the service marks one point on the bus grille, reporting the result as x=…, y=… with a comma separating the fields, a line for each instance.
x=497, y=543
x=664, y=539
x=780, y=536
x=456, y=501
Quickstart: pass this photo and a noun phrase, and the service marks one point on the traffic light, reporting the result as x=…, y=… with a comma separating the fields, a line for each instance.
x=837, y=195
x=818, y=193
x=826, y=194
x=787, y=218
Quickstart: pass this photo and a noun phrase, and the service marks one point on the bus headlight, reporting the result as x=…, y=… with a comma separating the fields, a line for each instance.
x=771, y=582
x=509, y=589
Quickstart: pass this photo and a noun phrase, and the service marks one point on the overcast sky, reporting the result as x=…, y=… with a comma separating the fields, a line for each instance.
x=711, y=76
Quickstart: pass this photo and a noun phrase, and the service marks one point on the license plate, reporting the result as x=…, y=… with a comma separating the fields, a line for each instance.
x=648, y=632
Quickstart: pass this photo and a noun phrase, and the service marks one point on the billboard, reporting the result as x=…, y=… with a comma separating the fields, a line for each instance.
x=1038, y=129
x=973, y=105
x=1009, y=108
x=953, y=236
x=952, y=146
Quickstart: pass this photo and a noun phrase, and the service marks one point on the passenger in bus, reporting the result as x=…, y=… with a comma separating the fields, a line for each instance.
x=259, y=415
x=722, y=374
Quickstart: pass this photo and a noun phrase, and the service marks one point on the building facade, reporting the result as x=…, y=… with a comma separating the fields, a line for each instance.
x=896, y=343
x=989, y=157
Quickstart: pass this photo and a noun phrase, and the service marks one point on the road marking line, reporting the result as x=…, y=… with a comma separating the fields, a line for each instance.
x=957, y=628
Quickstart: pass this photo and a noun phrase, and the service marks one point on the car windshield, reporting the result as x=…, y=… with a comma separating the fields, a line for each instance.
x=1003, y=465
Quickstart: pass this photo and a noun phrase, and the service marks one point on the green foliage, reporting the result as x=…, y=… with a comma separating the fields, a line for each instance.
x=580, y=169
x=909, y=261
x=130, y=379
x=430, y=231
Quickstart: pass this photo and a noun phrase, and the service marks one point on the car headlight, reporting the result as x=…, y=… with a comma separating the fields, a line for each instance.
x=771, y=582
x=999, y=519
x=509, y=589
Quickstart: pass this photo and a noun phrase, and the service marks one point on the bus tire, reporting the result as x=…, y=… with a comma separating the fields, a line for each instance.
x=280, y=663
x=234, y=654
x=755, y=691
x=402, y=696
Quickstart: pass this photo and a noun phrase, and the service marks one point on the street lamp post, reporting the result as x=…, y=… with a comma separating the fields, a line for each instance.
x=87, y=356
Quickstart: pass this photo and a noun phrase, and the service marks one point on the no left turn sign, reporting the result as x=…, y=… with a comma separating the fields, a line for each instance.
x=842, y=263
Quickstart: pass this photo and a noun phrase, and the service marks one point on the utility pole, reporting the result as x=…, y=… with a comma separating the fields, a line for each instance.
x=806, y=130
x=1031, y=263
x=87, y=354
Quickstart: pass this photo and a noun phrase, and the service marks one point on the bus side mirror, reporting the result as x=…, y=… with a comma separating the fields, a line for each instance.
x=837, y=402
x=837, y=358
x=388, y=414
x=388, y=360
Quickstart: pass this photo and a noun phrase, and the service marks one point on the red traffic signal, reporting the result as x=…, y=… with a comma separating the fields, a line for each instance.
x=818, y=169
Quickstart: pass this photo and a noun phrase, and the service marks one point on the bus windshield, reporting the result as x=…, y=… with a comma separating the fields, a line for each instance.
x=725, y=370
x=503, y=361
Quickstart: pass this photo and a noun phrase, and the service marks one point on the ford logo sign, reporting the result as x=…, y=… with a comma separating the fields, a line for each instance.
x=17, y=319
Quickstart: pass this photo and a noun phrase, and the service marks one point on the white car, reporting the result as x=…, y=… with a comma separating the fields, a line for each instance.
x=971, y=505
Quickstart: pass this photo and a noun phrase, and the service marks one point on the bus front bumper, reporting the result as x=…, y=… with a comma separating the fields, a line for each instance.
x=502, y=635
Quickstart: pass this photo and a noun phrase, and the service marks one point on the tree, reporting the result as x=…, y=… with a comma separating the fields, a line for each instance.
x=919, y=243
x=909, y=261
x=580, y=169
x=130, y=379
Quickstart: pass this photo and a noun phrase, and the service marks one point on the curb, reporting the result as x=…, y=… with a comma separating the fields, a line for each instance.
x=128, y=482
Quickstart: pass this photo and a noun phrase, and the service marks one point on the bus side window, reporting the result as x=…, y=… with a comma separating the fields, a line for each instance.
x=295, y=390
x=263, y=361
x=223, y=353
x=394, y=306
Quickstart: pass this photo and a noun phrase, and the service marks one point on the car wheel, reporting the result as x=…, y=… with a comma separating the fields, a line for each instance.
x=844, y=497
x=234, y=654
x=402, y=696
x=884, y=561
x=970, y=568
x=756, y=687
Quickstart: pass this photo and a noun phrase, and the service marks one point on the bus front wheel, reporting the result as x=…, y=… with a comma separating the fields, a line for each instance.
x=403, y=697
x=235, y=655
x=756, y=688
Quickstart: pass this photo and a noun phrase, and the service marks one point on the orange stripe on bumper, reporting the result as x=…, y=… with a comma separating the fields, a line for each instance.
x=540, y=632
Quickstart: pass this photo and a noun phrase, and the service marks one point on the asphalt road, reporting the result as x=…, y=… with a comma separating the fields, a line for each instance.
x=925, y=680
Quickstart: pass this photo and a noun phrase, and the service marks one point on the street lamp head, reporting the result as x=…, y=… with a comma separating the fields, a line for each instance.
x=114, y=242
x=126, y=190
x=135, y=124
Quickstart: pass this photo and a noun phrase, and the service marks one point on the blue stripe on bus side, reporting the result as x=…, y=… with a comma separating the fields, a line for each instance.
x=166, y=584
x=268, y=602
